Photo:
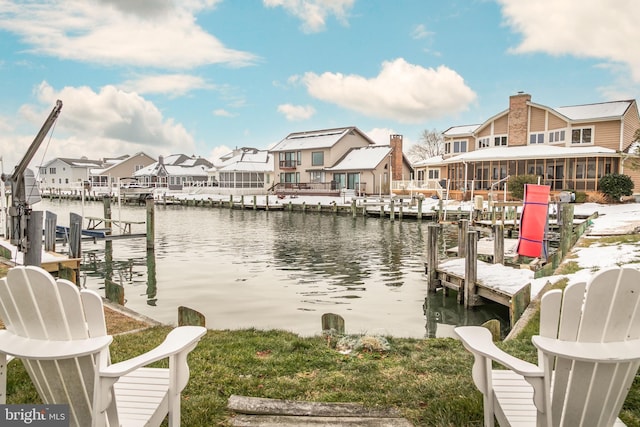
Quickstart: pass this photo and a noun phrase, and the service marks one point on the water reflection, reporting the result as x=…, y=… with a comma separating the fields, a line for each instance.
x=245, y=268
x=443, y=313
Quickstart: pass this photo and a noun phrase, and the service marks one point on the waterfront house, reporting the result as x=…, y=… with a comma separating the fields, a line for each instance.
x=243, y=169
x=569, y=148
x=66, y=174
x=175, y=172
x=113, y=170
x=331, y=160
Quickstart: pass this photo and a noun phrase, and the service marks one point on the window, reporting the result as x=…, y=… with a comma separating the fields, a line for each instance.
x=581, y=136
x=556, y=136
x=434, y=173
x=52, y=171
x=536, y=138
x=138, y=167
x=292, y=177
x=66, y=180
x=459, y=146
x=500, y=140
x=316, y=176
x=484, y=142
x=447, y=147
x=43, y=171
x=317, y=158
x=289, y=159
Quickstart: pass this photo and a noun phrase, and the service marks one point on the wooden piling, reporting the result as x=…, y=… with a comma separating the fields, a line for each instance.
x=332, y=323
x=151, y=224
x=354, y=212
x=566, y=229
x=75, y=235
x=433, y=230
x=33, y=255
x=392, y=210
x=106, y=206
x=420, y=199
x=190, y=317
x=463, y=229
x=498, y=243
x=471, y=297
x=50, y=231
x=255, y=203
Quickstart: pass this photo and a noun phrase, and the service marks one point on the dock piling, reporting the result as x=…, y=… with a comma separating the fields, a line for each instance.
x=433, y=230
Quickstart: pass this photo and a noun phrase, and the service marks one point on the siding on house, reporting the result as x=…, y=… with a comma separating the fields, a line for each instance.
x=540, y=142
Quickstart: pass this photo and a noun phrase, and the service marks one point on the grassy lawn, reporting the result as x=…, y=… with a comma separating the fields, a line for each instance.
x=428, y=380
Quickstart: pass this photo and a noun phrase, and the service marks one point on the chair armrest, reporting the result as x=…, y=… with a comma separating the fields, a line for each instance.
x=31, y=348
x=602, y=352
x=180, y=339
x=478, y=340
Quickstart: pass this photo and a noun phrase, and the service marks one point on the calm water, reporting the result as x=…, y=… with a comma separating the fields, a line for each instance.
x=244, y=268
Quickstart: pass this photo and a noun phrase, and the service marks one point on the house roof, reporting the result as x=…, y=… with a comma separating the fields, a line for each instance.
x=575, y=113
x=79, y=163
x=247, y=160
x=325, y=138
x=461, y=130
x=431, y=161
x=538, y=151
x=603, y=110
x=113, y=162
x=362, y=158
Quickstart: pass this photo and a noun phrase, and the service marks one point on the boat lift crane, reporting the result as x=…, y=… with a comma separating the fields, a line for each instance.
x=24, y=192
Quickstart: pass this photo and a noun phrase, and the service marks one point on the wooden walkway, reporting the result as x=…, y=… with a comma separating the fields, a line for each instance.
x=262, y=412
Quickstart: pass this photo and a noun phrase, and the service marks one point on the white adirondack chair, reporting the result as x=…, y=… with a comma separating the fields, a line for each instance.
x=588, y=355
x=59, y=333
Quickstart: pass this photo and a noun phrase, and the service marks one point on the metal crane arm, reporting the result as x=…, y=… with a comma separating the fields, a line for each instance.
x=22, y=166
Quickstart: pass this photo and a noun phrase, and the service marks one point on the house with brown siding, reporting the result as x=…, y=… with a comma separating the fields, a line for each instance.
x=328, y=161
x=107, y=178
x=569, y=148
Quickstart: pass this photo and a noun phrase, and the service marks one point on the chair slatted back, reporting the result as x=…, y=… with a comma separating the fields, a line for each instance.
x=34, y=305
x=607, y=309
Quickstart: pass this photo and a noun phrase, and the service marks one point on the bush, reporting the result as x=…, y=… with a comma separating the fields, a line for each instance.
x=615, y=185
x=515, y=185
x=581, y=197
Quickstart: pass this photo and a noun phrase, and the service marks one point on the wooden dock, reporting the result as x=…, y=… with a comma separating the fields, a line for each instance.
x=475, y=280
x=57, y=264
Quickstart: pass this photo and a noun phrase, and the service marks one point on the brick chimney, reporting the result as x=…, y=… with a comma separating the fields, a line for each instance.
x=396, y=157
x=518, y=119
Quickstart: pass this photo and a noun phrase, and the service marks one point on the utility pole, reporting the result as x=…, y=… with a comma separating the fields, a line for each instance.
x=25, y=230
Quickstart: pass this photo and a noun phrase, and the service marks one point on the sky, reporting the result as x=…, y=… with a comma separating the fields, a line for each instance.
x=202, y=77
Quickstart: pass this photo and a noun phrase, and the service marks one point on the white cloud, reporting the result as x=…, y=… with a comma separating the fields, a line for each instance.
x=296, y=112
x=217, y=152
x=314, y=13
x=404, y=92
x=171, y=84
x=118, y=32
x=104, y=123
x=420, y=32
x=222, y=113
x=381, y=136
x=593, y=29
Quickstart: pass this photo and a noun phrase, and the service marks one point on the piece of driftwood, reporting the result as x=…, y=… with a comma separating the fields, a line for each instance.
x=302, y=421
x=263, y=412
